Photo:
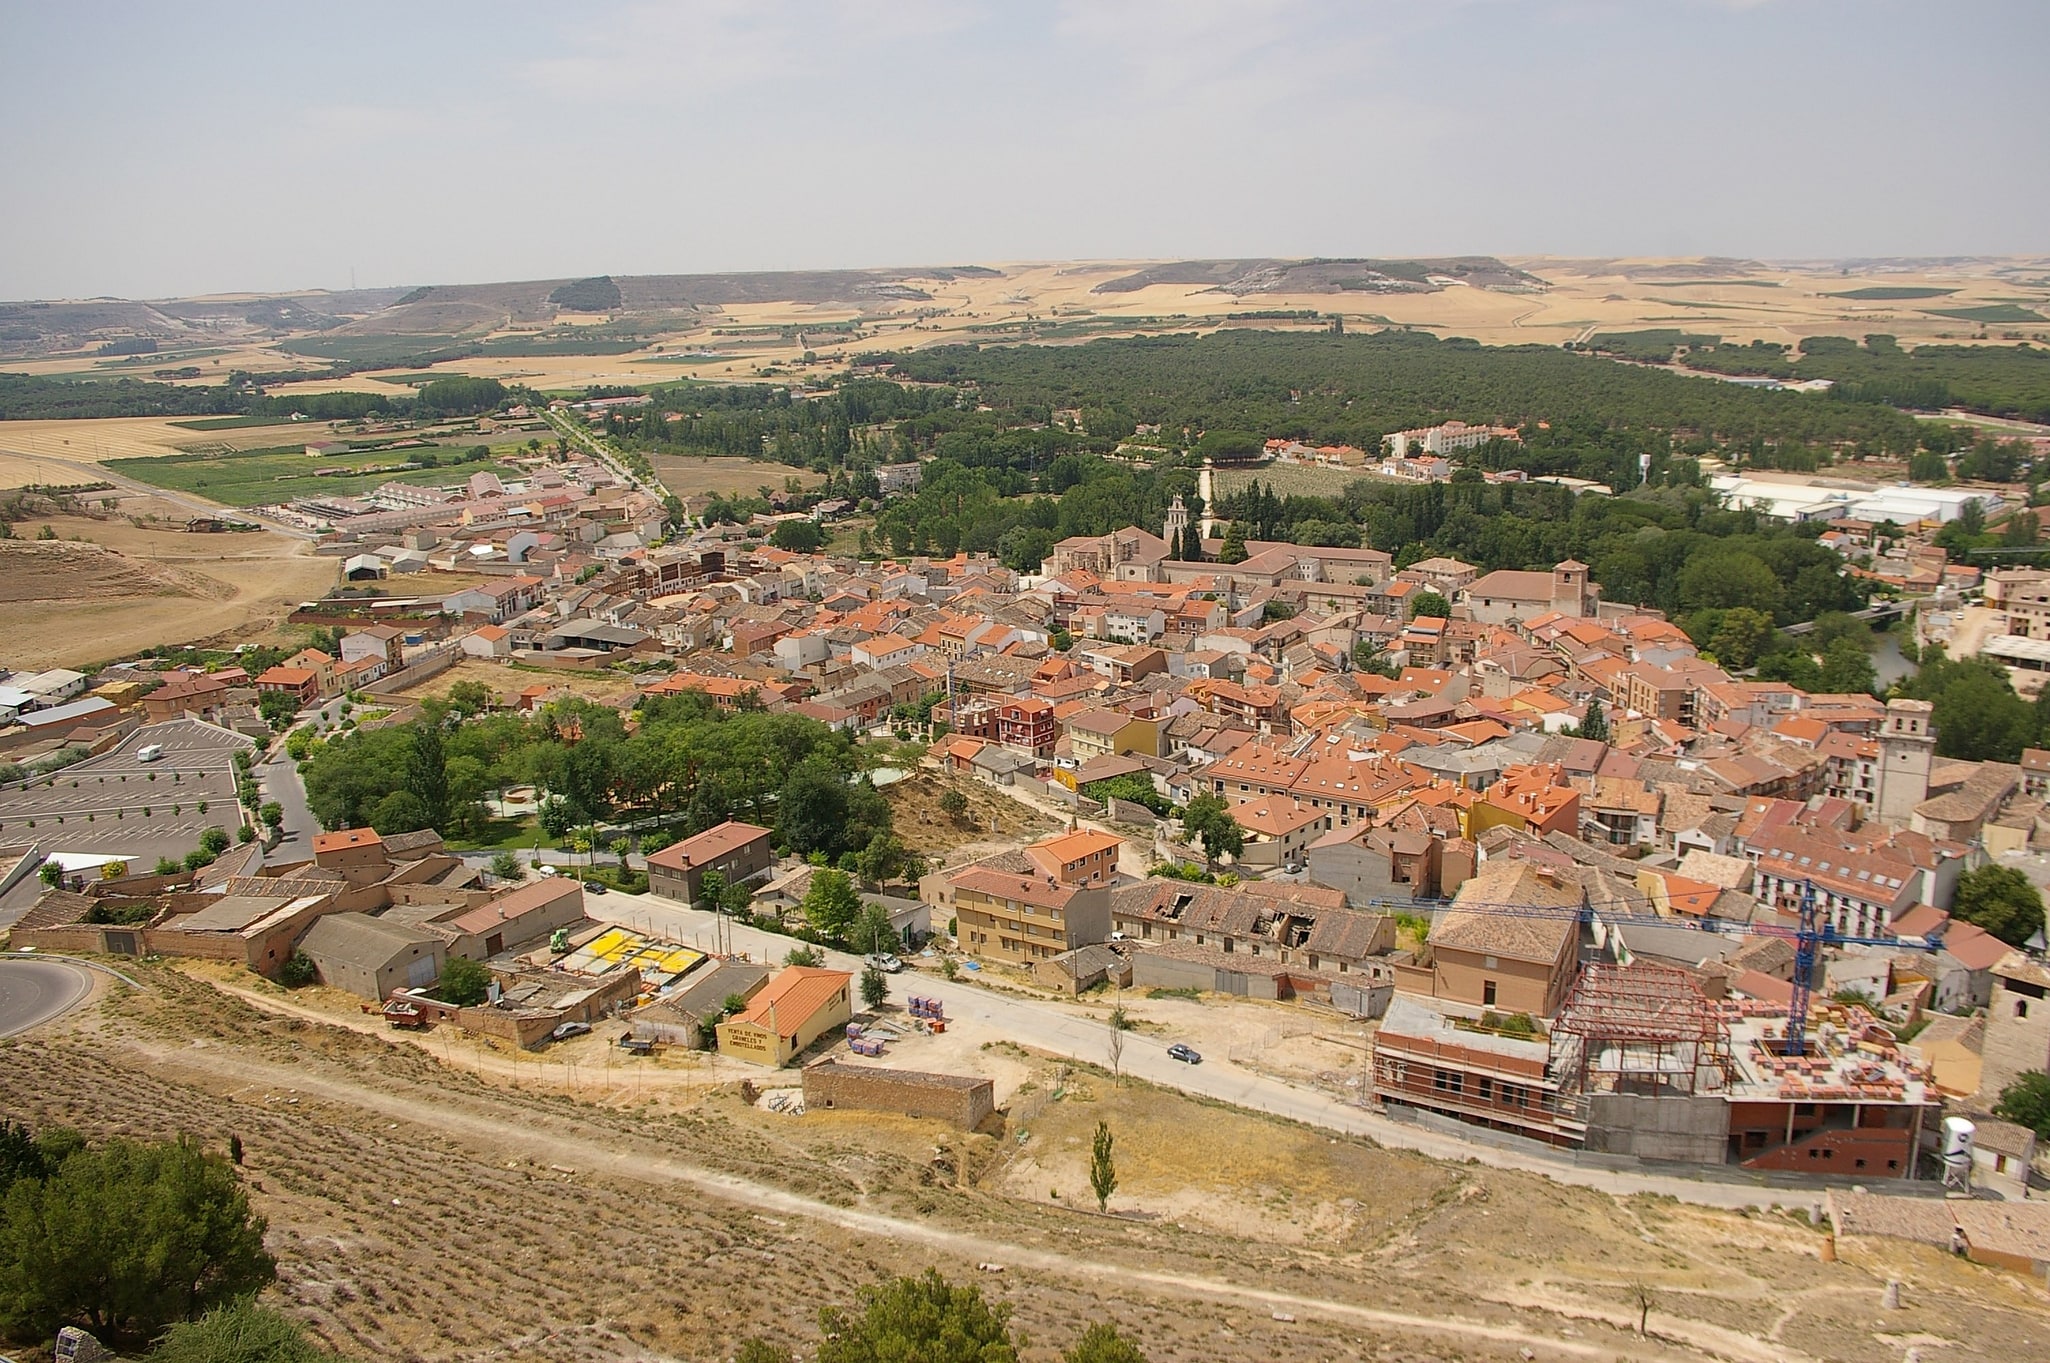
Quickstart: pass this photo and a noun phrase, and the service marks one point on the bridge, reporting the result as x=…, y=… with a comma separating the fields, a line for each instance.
x=1885, y=610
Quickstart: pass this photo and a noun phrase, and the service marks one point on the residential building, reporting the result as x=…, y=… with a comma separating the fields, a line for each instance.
x=737, y=851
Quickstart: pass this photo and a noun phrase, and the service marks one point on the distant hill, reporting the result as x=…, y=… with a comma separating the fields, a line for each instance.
x=1362, y=275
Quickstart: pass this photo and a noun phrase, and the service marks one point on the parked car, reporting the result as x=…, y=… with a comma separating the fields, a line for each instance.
x=594, y=887
x=568, y=1030
x=1184, y=1054
x=883, y=961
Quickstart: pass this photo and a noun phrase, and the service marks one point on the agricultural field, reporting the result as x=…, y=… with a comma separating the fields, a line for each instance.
x=108, y=588
x=725, y=475
x=1303, y=480
x=585, y=1213
x=271, y=476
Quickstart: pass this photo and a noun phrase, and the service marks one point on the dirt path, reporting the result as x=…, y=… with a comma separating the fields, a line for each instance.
x=555, y=1142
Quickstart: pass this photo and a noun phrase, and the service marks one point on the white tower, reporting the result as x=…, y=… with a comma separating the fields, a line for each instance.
x=1172, y=529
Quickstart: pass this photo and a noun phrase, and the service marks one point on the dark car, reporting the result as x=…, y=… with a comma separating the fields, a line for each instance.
x=1184, y=1054
x=594, y=887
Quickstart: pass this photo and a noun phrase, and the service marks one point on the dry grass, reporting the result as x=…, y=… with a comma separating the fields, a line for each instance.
x=507, y=681
x=437, y=1214
x=992, y=820
x=687, y=477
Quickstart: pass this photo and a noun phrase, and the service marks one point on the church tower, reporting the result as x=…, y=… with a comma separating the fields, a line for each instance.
x=1176, y=525
x=1907, y=749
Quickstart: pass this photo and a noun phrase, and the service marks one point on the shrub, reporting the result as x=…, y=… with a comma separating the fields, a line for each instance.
x=298, y=971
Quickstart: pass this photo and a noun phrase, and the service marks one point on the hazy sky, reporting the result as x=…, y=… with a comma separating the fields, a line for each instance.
x=151, y=150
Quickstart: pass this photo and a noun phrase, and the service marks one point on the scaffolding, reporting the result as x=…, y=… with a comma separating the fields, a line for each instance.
x=1640, y=1029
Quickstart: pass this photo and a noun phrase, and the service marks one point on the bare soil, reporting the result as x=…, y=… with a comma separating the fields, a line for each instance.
x=432, y=1213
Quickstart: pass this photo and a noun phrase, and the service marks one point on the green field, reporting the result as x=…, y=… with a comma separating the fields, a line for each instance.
x=231, y=423
x=1879, y=292
x=265, y=477
x=368, y=347
x=1992, y=312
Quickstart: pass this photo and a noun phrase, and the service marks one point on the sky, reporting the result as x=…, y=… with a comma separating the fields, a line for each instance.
x=175, y=149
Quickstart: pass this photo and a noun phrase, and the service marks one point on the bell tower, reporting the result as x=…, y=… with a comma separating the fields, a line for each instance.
x=1175, y=526
x=1907, y=749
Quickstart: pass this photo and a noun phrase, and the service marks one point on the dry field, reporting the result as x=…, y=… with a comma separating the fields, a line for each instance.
x=433, y=1214
x=688, y=475
x=506, y=681
x=67, y=601
x=58, y=452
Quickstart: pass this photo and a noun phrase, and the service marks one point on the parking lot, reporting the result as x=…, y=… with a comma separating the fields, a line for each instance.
x=118, y=805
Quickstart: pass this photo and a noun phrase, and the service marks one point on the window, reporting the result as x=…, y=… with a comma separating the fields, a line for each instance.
x=1487, y=1090
x=1488, y=993
x=2021, y=1008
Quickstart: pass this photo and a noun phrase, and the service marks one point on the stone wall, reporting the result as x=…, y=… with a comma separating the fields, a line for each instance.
x=962, y=1100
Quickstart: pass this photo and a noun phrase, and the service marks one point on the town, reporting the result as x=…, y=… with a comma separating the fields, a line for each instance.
x=1583, y=894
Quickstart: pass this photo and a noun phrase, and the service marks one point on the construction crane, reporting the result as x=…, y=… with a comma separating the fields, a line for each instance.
x=1809, y=937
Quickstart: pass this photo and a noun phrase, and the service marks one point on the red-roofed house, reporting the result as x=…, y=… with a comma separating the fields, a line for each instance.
x=738, y=851
x=791, y=1012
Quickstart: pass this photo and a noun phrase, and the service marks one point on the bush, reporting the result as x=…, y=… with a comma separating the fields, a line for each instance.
x=805, y=956
x=241, y=1333
x=464, y=982
x=298, y=971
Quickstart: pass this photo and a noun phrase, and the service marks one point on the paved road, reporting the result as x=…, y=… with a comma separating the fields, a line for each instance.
x=279, y=780
x=1068, y=1032
x=33, y=992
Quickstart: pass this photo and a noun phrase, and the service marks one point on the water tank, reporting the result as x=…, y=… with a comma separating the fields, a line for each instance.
x=1957, y=1152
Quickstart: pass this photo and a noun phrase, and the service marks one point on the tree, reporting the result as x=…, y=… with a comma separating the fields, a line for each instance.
x=811, y=813
x=1101, y=1343
x=2001, y=900
x=883, y=860
x=464, y=982
x=1847, y=669
x=469, y=698
x=1233, y=550
x=427, y=772
x=1120, y=1023
x=1430, y=604
x=875, y=987
x=400, y=812
x=1103, y=1173
x=1208, y=819
x=1595, y=724
x=277, y=708
x=2026, y=1102
x=918, y=1320
x=169, y=866
x=125, y=1238
x=830, y=904
x=273, y=815
x=506, y=866
x=798, y=537
x=953, y=803
x=298, y=971
x=52, y=874
x=809, y=957
x=872, y=932
x=1741, y=637
x=214, y=841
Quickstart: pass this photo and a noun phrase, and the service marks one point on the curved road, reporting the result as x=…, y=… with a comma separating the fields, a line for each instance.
x=33, y=992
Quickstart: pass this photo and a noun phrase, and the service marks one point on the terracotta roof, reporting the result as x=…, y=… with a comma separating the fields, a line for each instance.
x=347, y=837
x=708, y=846
x=797, y=993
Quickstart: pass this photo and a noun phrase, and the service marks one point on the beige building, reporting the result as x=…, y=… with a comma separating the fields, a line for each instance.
x=790, y=1013
x=1510, y=943
x=1035, y=903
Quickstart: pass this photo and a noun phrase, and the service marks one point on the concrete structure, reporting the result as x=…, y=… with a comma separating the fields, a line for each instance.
x=1504, y=596
x=961, y=1100
x=738, y=851
x=791, y=1012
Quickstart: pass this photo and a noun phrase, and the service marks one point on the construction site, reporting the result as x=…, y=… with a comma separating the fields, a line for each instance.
x=1640, y=1063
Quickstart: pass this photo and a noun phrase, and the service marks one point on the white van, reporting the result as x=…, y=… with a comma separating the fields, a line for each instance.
x=150, y=753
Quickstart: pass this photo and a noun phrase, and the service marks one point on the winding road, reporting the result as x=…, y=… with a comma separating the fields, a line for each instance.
x=32, y=992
